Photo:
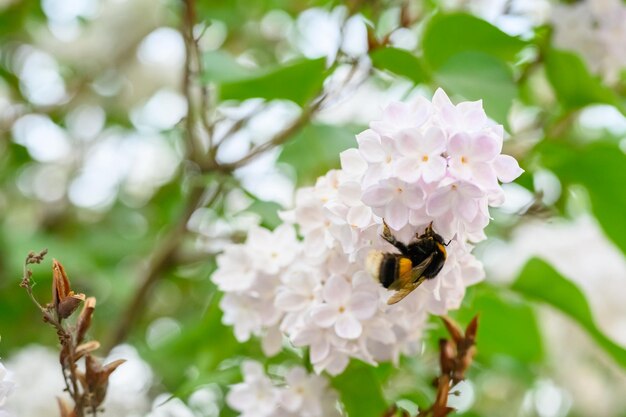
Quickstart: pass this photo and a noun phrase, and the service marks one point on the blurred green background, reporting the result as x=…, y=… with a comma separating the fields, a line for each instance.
x=95, y=166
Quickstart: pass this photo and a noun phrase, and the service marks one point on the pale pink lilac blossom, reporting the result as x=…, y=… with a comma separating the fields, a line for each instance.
x=6, y=386
x=298, y=394
x=594, y=29
x=422, y=162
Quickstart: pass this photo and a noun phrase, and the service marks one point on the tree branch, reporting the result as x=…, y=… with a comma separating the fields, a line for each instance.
x=159, y=262
x=455, y=357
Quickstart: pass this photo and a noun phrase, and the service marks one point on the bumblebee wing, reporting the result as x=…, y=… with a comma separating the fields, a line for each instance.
x=400, y=294
x=411, y=276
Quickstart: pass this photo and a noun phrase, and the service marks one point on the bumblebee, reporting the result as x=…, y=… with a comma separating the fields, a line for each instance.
x=418, y=261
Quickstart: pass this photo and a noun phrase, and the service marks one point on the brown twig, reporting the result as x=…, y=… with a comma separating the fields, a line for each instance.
x=455, y=357
x=86, y=389
x=166, y=253
x=159, y=261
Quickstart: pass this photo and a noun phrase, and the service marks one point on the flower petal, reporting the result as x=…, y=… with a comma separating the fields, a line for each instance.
x=369, y=146
x=434, y=169
x=377, y=195
x=467, y=208
x=272, y=342
x=485, y=176
x=324, y=315
x=349, y=192
x=408, y=169
x=413, y=197
x=337, y=290
x=289, y=301
x=434, y=141
x=459, y=144
x=485, y=147
x=473, y=114
x=348, y=327
x=507, y=168
x=352, y=162
x=408, y=142
x=439, y=203
x=363, y=305
x=319, y=349
x=359, y=216
x=396, y=214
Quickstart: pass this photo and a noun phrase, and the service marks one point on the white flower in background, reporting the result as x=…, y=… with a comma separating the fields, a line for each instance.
x=422, y=162
x=166, y=406
x=255, y=396
x=307, y=395
x=6, y=386
x=595, y=30
x=516, y=17
x=37, y=369
x=301, y=394
x=319, y=32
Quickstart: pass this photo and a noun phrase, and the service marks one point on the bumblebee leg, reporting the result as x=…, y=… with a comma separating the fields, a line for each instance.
x=428, y=232
x=389, y=237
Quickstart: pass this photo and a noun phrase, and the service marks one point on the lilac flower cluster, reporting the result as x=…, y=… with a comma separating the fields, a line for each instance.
x=422, y=162
x=596, y=30
x=301, y=394
x=6, y=387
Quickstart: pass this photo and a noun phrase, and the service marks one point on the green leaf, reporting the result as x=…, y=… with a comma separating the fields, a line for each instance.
x=400, y=62
x=315, y=150
x=540, y=281
x=447, y=35
x=360, y=391
x=601, y=168
x=268, y=210
x=297, y=81
x=573, y=84
x=220, y=66
x=507, y=326
x=475, y=76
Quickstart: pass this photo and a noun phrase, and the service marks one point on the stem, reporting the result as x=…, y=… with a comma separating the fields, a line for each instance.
x=161, y=260
x=165, y=255
x=189, y=17
x=66, y=340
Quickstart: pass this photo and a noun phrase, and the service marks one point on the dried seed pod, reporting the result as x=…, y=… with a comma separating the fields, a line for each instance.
x=64, y=300
x=97, y=378
x=86, y=348
x=84, y=320
x=453, y=329
x=65, y=409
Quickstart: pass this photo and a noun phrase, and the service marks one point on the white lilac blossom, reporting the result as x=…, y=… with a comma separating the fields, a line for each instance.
x=38, y=369
x=6, y=387
x=595, y=29
x=299, y=394
x=516, y=17
x=422, y=162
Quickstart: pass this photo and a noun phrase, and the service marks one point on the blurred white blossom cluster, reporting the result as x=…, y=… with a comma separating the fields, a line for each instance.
x=36, y=369
x=6, y=387
x=516, y=17
x=595, y=29
x=300, y=395
x=422, y=162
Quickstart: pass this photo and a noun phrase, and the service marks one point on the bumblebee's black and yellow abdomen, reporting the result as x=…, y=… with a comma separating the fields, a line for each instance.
x=387, y=267
x=418, y=261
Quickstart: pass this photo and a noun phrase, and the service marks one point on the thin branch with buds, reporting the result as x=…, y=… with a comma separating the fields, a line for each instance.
x=87, y=389
x=198, y=117
x=455, y=357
